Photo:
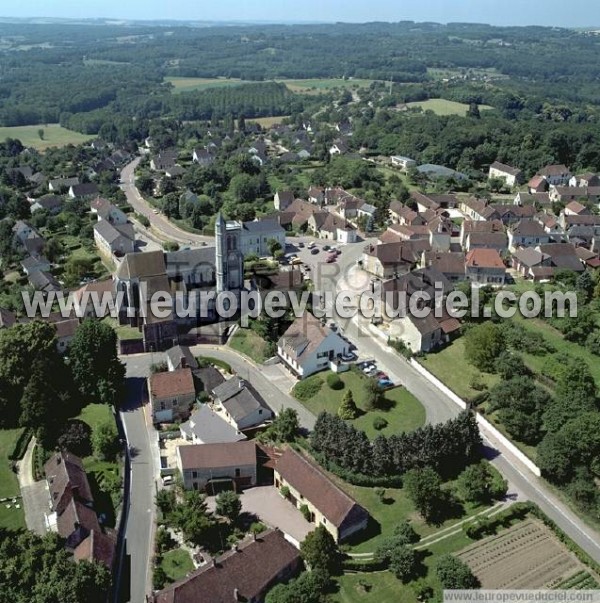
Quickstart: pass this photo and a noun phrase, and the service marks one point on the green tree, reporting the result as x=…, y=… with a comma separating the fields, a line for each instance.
x=273, y=245
x=348, y=409
x=483, y=344
x=424, y=488
x=97, y=370
x=105, y=441
x=319, y=551
x=455, y=574
x=193, y=518
x=373, y=394
x=284, y=427
x=309, y=587
x=229, y=505
x=401, y=558
x=480, y=484
x=41, y=133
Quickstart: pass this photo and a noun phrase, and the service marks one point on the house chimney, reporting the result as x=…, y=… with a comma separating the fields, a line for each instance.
x=236, y=594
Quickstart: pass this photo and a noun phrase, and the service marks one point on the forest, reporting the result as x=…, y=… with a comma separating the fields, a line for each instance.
x=61, y=73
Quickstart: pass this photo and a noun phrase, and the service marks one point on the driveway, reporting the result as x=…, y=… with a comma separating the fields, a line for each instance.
x=35, y=494
x=269, y=506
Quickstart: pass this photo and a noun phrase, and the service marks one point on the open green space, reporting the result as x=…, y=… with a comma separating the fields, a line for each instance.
x=12, y=518
x=379, y=587
x=250, y=343
x=450, y=366
x=54, y=136
x=391, y=509
x=405, y=412
x=177, y=564
x=304, y=86
x=441, y=106
x=123, y=331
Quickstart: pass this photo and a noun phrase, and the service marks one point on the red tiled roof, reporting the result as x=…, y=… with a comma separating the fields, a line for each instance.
x=207, y=456
x=174, y=383
x=484, y=258
x=248, y=572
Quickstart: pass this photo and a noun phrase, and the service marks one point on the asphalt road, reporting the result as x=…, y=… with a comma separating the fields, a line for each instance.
x=159, y=223
x=141, y=512
x=523, y=483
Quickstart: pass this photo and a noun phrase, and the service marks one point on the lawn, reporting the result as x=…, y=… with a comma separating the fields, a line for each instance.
x=267, y=122
x=406, y=413
x=12, y=518
x=388, y=513
x=54, y=136
x=250, y=343
x=441, y=106
x=451, y=367
x=381, y=587
x=123, y=331
x=177, y=564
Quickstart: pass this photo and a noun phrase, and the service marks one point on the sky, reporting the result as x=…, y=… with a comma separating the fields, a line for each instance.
x=580, y=13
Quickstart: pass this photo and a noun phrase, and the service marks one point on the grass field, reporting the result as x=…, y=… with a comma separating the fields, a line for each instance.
x=441, y=106
x=250, y=343
x=54, y=136
x=123, y=331
x=177, y=564
x=308, y=86
x=12, y=518
x=451, y=367
x=267, y=122
x=406, y=413
x=381, y=587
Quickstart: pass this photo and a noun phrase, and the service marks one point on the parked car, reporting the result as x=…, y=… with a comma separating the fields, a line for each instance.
x=310, y=245
x=314, y=250
x=301, y=245
x=385, y=383
x=348, y=357
x=326, y=248
x=382, y=375
x=296, y=262
x=330, y=260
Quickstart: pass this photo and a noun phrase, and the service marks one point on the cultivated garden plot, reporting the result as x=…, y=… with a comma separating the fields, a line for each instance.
x=526, y=556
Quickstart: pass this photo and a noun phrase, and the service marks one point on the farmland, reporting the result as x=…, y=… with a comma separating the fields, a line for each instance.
x=441, y=106
x=301, y=86
x=528, y=555
x=54, y=136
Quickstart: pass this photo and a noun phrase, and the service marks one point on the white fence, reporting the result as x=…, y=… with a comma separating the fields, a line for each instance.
x=488, y=429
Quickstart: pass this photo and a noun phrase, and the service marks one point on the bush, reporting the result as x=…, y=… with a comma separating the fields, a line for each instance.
x=379, y=423
x=334, y=382
x=363, y=565
x=305, y=390
x=21, y=444
x=143, y=220
x=305, y=512
x=284, y=491
x=76, y=438
x=206, y=361
x=401, y=348
x=170, y=246
x=489, y=525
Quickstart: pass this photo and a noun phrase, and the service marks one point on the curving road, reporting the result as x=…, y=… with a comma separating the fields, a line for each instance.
x=158, y=222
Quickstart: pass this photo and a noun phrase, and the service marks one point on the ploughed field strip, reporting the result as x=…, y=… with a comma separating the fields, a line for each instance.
x=526, y=556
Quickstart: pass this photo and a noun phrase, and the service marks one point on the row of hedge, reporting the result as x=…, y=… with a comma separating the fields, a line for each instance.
x=21, y=444
x=488, y=526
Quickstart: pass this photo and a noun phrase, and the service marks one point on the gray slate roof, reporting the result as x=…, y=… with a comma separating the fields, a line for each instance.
x=206, y=425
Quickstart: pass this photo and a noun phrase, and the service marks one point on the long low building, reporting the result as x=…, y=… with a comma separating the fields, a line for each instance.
x=328, y=504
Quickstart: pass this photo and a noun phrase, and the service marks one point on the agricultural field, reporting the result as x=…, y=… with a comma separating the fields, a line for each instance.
x=382, y=587
x=54, y=136
x=308, y=86
x=526, y=556
x=267, y=122
x=250, y=343
x=441, y=106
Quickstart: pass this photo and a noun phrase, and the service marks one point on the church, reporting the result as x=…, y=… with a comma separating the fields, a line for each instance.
x=181, y=274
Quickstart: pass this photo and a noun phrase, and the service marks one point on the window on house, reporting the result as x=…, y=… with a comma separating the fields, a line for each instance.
x=194, y=475
x=237, y=472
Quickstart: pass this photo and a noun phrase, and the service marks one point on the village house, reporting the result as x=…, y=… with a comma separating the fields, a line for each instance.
x=564, y=194
x=450, y=264
x=83, y=296
x=485, y=267
x=308, y=347
x=71, y=510
x=65, y=331
x=389, y=259
x=540, y=263
x=240, y=404
x=35, y=262
x=549, y=223
x=586, y=179
x=245, y=573
x=478, y=210
x=180, y=357
x=557, y=174
x=511, y=214
x=283, y=199
x=512, y=176
x=207, y=467
x=49, y=203
x=527, y=233
x=257, y=234
x=117, y=239
x=574, y=208
x=7, y=318
x=327, y=225
x=86, y=190
x=303, y=483
x=203, y=157
x=171, y=395
x=61, y=185
x=105, y=210
x=427, y=333
x=206, y=426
